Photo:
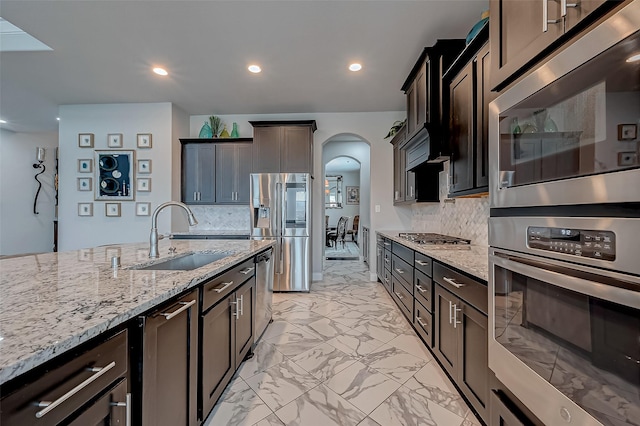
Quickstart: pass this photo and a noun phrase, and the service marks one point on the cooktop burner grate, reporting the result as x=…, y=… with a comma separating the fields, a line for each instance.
x=432, y=238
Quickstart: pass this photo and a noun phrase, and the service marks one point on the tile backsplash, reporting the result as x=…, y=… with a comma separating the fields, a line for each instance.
x=221, y=218
x=459, y=217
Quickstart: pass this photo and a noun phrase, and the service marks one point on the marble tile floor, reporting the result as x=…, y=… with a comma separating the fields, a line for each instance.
x=342, y=355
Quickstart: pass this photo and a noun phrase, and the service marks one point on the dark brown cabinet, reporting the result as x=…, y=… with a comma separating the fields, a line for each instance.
x=501, y=414
x=228, y=330
x=470, y=94
x=169, y=363
x=233, y=171
x=461, y=333
x=81, y=384
x=283, y=146
x=216, y=172
x=523, y=32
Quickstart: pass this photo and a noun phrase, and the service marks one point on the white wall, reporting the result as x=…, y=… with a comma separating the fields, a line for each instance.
x=22, y=231
x=371, y=127
x=128, y=119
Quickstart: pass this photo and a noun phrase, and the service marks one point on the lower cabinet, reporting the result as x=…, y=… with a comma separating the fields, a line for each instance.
x=501, y=414
x=423, y=322
x=86, y=386
x=461, y=334
x=169, y=363
x=227, y=337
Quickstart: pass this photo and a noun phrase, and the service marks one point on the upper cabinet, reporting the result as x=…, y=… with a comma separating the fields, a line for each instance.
x=425, y=99
x=467, y=82
x=524, y=31
x=216, y=172
x=283, y=146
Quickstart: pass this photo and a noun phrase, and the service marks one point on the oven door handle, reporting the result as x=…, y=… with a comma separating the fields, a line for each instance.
x=566, y=280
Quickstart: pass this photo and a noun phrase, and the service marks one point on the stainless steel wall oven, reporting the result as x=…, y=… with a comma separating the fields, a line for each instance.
x=564, y=231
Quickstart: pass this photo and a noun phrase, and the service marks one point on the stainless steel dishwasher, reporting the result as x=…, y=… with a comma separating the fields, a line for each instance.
x=264, y=291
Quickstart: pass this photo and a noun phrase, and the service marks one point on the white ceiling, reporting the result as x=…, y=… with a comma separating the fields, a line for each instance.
x=342, y=164
x=103, y=51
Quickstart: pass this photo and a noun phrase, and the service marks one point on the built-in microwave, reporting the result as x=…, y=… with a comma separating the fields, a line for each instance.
x=569, y=132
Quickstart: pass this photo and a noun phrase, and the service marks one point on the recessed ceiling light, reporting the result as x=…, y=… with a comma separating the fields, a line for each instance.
x=160, y=71
x=254, y=69
x=3, y=121
x=355, y=67
x=634, y=58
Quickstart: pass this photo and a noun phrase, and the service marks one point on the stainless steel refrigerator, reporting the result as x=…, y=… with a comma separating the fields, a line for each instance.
x=281, y=210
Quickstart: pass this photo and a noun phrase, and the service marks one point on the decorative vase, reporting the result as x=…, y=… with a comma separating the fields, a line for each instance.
x=234, y=131
x=224, y=133
x=550, y=125
x=205, y=132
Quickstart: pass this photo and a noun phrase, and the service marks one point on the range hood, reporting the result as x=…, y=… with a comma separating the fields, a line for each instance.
x=422, y=149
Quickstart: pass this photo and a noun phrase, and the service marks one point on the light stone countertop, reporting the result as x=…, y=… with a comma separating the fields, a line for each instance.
x=234, y=232
x=471, y=259
x=53, y=302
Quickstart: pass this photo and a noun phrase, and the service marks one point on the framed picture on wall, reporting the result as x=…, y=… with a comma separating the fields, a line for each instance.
x=144, y=140
x=84, y=184
x=85, y=165
x=112, y=209
x=114, y=175
x=142, y=209
x=144, y=166
x=85, y=140
x=114, y=140
x=353, y=195
x=85, y=209
x=144, y=185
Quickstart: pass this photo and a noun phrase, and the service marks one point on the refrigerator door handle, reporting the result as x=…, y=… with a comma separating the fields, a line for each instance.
x=281, y=267
x=278, y=211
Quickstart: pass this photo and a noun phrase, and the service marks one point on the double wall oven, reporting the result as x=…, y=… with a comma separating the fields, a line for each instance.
x=564, y=231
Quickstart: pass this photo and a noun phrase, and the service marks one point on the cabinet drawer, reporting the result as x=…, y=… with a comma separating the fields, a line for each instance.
x=423, y=290
x=423, y=264
x=219, y=287
x=468, y=289
x=403, y=252
x=403, y=271
x=386, y=280
x=423, y=322
x=90, y=372
x=402, y=297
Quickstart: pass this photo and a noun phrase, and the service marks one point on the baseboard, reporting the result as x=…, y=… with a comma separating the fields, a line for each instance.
x=373, y=276
x=317, y=276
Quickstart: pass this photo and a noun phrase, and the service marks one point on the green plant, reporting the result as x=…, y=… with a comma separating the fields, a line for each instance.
x=397, y=125
x=216, y=125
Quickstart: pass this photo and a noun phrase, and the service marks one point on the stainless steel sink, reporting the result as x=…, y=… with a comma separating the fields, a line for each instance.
x=186, y=262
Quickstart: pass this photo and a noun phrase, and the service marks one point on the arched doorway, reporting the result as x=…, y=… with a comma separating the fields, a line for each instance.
x=342, y=208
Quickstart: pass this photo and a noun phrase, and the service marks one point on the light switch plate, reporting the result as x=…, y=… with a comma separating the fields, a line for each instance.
x=377, y=208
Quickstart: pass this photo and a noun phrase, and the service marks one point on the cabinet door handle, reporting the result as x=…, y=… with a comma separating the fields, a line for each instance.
x=545, y=17
x=419, y=321
x=386, y=260
x=184, y=307
x=49, y=406
x=421, y=263
x=398, y=270
x=241, y=305
x=398, y=294
x=246, y=271
x=127, y=405
x=450, y=313
x=564, y=5
x=420, y=289
x=237, y=312
x=195, y=197
x=455, y=316
x=221, y=289
x=386, y=280
x=453, y=282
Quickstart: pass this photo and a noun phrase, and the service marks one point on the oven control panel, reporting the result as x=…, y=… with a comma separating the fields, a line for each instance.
x=577, y=242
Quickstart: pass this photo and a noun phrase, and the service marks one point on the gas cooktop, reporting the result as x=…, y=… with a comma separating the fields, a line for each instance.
x=433, y=239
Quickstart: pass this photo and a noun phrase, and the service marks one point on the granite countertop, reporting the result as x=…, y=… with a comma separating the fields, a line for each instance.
x=53, y=302
x=471, y=259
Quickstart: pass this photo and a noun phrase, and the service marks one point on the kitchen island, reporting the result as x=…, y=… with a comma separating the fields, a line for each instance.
x=51, y=303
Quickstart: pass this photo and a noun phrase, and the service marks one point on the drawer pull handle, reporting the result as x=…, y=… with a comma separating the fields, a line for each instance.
x=127, y=405
x=387, y=244
x=419, y=321
x=386, y=260
x=49, y=406
x=246, y=271
x=386, y=280
x=421, y=263
x=398, y=270
x=184, y=307
x=221, y=289
x=420, y=289
x=398, y=294
x=452, y=282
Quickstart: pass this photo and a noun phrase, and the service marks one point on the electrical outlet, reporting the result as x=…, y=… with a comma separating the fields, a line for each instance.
x=377, y=208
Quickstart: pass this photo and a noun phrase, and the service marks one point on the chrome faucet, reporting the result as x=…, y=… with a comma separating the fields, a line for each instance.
x=153, y=238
